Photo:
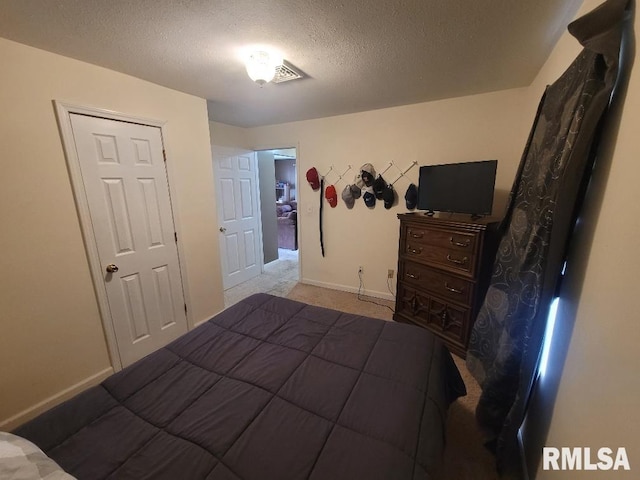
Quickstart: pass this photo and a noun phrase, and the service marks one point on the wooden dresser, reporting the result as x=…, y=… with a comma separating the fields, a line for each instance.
x=444, y=267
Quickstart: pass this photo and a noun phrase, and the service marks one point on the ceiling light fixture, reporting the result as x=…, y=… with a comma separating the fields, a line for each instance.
x=261, y=66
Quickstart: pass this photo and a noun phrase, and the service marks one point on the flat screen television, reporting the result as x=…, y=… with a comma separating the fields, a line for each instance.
x=458, y=187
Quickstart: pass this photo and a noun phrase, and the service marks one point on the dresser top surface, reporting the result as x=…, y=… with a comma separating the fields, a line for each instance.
x=449, y=220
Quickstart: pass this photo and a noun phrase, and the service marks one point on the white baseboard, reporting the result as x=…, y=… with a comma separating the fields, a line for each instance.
x=24, y=416
x=347, y=288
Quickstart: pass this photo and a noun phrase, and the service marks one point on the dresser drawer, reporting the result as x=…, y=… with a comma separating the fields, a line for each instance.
x=451, y=259
x=446, y=320
x=463, y=242
x=436, y=281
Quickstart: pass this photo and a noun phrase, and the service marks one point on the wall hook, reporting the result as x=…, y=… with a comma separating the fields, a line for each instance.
x=385, y=170
x=330, y=170
x=403, y=173
x=343, y=174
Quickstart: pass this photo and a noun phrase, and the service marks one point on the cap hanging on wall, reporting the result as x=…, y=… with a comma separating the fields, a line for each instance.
x=411, y=197
x=368, y=174
x=347, y=197
x=379, y=186
x=313, y=178
x=389, y=196
x=369, y=197
x=331, y=195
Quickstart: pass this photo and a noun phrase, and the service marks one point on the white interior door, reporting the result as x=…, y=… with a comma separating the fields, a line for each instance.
x=238, y=215
x=125, y=183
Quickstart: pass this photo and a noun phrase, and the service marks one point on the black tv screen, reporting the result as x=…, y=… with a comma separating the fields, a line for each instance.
x=458, y=187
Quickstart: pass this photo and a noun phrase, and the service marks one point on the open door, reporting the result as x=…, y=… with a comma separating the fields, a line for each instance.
x=237, y=195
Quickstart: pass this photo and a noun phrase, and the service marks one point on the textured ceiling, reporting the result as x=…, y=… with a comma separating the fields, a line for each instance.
x=357, y=54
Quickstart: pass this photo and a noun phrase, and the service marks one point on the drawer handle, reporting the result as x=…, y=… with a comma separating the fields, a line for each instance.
x=462, y=261
x=444, y=319
x=415, y=235
x=412, y=275
x=417, y=251
x=451, y=289
x=464, y=244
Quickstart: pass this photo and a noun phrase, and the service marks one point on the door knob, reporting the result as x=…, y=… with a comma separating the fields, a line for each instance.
x=112, y=268
x=222, y=229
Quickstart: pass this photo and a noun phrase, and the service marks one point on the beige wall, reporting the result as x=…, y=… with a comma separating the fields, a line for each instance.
x=590, y=396
x=478, y=127
x=228, y=135
x=51, y=335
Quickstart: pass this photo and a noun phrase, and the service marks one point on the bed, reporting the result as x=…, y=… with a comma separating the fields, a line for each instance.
x=270, y=388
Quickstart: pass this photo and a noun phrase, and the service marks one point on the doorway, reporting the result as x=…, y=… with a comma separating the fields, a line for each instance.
x=279, y=221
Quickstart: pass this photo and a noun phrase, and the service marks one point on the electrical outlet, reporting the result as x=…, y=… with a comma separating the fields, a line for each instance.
x=390, y=273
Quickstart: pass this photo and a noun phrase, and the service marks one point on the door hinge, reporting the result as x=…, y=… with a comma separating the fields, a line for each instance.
x=175, y=235
x=164, y=155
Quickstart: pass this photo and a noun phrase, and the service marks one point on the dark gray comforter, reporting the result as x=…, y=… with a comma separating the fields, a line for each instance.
x=268, y=389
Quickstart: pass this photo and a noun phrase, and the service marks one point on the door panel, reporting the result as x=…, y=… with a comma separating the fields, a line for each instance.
x=227, y=200
x=117, y=215
x=126, y=187
x=163, y=289
x=233, y=253
x=246, y=198
x=249, y=251
x=134, y=302
x=241, y=243
x=151, y=211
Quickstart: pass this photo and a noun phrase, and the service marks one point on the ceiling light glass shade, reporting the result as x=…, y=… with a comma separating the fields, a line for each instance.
x=261, y=67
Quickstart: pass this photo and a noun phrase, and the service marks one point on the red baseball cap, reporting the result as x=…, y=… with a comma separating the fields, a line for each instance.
x=313, y=178
x=331, y=195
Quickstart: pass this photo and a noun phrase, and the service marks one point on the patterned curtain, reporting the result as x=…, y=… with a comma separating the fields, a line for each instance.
x=506, y=339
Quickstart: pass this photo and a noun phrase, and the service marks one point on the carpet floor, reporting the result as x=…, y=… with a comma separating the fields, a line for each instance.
x=278, y=278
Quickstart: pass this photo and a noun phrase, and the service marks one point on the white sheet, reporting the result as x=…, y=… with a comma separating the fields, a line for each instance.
x=22, y=460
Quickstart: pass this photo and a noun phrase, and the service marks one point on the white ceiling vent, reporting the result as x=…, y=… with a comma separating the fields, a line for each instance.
x=286, y=72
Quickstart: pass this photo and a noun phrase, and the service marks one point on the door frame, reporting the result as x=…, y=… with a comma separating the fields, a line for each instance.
x=296, y=145
x=63, y=111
